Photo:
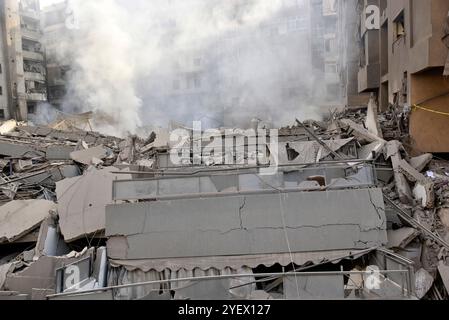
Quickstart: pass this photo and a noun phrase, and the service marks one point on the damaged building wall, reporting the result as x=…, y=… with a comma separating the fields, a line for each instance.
x=250, y=224
x=408, y=65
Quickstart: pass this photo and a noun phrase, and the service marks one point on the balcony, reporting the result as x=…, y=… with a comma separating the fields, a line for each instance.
x=369, y=77
x=34, y=76
x=30, y=14
x=36, y=97
x=33, y=55
x=31, y=35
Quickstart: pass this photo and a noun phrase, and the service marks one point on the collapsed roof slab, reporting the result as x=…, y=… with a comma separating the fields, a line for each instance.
x=16, y=150
x=18, y=218
x=246, y=225
x=82, y=201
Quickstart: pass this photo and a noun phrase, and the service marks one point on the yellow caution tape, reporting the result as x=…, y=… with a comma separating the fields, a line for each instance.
x=430, y=110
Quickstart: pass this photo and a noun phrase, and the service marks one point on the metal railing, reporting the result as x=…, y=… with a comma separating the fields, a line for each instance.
x=245, y=182
x=405, y=287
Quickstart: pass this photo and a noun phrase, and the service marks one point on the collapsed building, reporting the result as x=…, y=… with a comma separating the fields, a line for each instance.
x=319, y=210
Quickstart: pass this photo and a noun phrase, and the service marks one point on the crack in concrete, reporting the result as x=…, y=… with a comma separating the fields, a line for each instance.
x=297, y=228
x=376, y=207
x=240, y=213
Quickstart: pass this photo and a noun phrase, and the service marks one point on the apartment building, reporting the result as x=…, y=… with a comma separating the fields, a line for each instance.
x=23, y=58
x=403, y=61
x=295, y=53
x=330, y=20
x=58, y=39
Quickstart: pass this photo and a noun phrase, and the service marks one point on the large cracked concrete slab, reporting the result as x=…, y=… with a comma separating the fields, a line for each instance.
x=82, y=201
x=245, y=225
x=19, y=217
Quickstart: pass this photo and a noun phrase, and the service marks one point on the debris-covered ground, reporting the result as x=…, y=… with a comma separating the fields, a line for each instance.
x=56, y=186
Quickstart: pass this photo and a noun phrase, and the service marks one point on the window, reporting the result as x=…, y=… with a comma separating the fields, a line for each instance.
x=1, y=90
x=2, y=114
x=31, y=108
x=399, y=26
x=1, y=70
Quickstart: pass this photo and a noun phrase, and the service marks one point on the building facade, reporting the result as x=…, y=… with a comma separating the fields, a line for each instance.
x=23, y=58
x=58, y=37
x=403, y=61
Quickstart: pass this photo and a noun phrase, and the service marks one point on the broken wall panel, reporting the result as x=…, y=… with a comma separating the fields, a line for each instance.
x=41, y=274
x=82, y=201
x=335, y=176
x=18, y=218
x=245, y=225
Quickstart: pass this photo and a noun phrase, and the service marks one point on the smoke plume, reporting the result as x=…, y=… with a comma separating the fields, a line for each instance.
x=143, y=62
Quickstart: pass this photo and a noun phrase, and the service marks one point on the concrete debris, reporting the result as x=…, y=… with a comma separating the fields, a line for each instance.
x=4, y=271
x=410, y=173
x=401, y=238
x=8, y=127
x=17, y=218
x=143, y=216
x=392, y=151
x=423, y=283
x=421, y=162
x=82, y=202
x=41, y=274
x=91, y=155
x=360, y=132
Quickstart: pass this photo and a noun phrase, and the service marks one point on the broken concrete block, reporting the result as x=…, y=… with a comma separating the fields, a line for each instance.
x=423, y=283
x=360, y=132
x=401, y=238
x=59, y=152
x=16, y=150
x=371, y=151
x=17, y=218
x=162, y=140
x=8, y=127
x=4, y=271
x=410, y=173
x=421, y=162
x=403, y=188
x=424, y=193
x=86, y=156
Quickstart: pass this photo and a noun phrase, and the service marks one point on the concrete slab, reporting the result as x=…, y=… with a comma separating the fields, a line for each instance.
x=82, y=201
x=244, y=225
x=17, y=218
x=86, y=156
x=401, y=238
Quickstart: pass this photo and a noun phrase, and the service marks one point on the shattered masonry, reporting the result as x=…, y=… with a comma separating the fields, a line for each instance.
x=120, y=211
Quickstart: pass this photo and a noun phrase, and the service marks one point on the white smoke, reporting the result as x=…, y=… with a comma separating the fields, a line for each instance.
x=132, y=60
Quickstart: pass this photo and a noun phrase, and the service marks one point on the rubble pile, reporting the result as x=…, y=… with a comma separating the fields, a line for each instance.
x=58, y=189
